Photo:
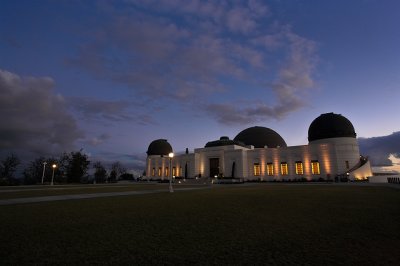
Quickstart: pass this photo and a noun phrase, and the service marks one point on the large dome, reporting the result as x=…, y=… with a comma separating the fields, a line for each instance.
x=159, y=147
x=260, y=137
x=330, y=125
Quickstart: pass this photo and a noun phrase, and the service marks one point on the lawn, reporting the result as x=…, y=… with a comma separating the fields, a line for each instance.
x=231, y=225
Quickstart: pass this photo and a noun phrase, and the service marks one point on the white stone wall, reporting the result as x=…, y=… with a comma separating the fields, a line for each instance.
x=331, y=154
x=385, y=179
x=345, y=149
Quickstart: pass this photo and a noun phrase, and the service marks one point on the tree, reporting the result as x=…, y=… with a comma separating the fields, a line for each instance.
x=100, y=174
x=116, y=170
x=127, y=176
x=74, y=166
x=8, y=167
x=34, y=172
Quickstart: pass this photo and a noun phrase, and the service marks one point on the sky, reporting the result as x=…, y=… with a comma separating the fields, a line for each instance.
x=109, y=77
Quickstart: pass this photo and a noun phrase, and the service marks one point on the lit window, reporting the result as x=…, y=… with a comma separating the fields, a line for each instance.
x=257, y=170
x=153, y=171
x=173, y=171
x=270, y=169
x=284, y=168
x=299, y=168
x=159, y=171
x=166, y=172
x=315, y=168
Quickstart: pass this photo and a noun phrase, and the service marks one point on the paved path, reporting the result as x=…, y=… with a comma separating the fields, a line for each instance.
x=87, y=196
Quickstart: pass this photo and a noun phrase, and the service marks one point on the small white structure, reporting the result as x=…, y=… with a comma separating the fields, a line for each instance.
x=394, y=179
x=259, y=153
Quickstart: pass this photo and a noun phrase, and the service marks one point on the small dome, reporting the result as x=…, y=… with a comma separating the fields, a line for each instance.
x=159, y=147
x=223, y=141
x=260, y=137
x=330, y=125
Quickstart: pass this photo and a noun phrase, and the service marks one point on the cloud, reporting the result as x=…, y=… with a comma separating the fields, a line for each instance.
x=379, y=149
x=98, y=140
x=34, y=118
x=134, y=163
x=240, y=20
x=188, y=51
x=293, y=81
x=107, y=110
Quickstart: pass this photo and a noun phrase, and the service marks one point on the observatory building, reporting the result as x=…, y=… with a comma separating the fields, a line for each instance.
x=260, y=153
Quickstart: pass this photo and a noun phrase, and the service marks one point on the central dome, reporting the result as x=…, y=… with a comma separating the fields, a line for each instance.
x=223, y=141
x=260, y=137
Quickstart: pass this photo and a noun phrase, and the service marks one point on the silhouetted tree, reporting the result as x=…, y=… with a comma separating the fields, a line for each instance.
x=74, y=166
x=116, y=170
x=34, y=172
x=127, y=176
x=8, y=166
x=100, y=174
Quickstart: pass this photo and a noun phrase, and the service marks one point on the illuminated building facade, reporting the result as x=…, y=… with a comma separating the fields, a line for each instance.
x=260, y=153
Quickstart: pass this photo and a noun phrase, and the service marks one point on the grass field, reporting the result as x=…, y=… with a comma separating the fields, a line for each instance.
x=228, y=225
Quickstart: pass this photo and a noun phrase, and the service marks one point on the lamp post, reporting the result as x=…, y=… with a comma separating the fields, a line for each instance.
x=44, y=168
x=52, y=176
x=170, y=155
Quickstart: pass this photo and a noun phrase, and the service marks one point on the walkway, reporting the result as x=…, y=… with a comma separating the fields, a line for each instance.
x=87, y=196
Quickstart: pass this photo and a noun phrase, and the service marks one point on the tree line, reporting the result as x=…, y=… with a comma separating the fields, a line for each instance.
x=70, y=167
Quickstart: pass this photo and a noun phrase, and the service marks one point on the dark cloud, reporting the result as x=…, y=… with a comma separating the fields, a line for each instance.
x=380, y=148
x=33, y=118
x=185, y=51
x=107, y=110
x=95, y=141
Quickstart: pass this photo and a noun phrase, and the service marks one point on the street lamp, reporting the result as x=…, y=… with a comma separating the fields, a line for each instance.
x=52, y=176
x=44, y=168
x=170, y=155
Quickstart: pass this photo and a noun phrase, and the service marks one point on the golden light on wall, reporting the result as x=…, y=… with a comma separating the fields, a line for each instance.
x=262, y=163
x=326, y=160
x=307, y=166
x=275, y=160
x=270, y=169
x=201, y=166
x=163, y=166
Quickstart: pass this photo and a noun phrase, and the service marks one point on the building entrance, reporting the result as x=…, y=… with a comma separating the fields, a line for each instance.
x=214, y=167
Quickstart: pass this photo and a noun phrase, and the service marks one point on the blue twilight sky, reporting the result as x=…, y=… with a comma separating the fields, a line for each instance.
x=111, y=76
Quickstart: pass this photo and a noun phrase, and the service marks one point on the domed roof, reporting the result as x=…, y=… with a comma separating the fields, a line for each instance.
x=159, y=147
x=260, y=137
x=330, y=125
x=223, y=141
